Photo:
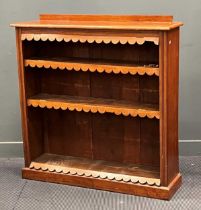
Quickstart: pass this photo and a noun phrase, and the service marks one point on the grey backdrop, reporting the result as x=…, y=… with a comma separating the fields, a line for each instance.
x=190, y=62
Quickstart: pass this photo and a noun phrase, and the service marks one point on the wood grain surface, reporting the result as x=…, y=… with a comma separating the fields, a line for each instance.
x=118, y=22
x=109, y=119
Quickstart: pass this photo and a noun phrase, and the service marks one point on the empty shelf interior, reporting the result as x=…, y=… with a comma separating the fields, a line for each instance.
x=145, y=54
x=123, y=143
x=128, y=88
x=94, y=136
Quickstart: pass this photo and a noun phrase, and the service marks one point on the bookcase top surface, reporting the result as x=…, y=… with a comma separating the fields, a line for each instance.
x=117, y=22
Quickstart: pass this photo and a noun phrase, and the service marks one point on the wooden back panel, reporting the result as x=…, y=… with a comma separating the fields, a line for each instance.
x=114, y=18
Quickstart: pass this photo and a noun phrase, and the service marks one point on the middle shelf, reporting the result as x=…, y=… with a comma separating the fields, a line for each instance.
x=94, y=105
x=93, y=65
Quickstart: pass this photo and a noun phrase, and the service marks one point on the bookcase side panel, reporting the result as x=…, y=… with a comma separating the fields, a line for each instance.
x=169, y=66
x=22, y=94
x=172, y=103
x=32, y=128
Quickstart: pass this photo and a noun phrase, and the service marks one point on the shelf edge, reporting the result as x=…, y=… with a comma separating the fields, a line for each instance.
x=100, y=68
x=73, y=106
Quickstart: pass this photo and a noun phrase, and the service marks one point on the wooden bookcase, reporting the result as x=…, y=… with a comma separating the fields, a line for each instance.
x=99, y=101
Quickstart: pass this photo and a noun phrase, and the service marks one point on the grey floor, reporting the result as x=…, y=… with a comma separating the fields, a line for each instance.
x=16, y=193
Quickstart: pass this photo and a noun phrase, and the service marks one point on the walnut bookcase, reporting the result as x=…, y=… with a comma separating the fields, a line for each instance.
x=99, y=101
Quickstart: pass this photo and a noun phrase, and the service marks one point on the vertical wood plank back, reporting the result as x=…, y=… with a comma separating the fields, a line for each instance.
x=70, y=135
x=149, y=142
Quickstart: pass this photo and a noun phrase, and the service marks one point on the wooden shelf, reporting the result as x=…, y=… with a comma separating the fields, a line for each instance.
x=94, y=105
x=92, y=66
x=97, y=169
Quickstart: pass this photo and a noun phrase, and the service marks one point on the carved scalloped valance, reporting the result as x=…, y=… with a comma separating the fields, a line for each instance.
x=93, y=105
x=92, y=67
x=90, y=39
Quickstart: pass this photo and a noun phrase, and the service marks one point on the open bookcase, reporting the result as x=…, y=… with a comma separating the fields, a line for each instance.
x=99, y=102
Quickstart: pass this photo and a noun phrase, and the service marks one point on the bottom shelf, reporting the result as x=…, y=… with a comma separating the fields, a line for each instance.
x=99, y=169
